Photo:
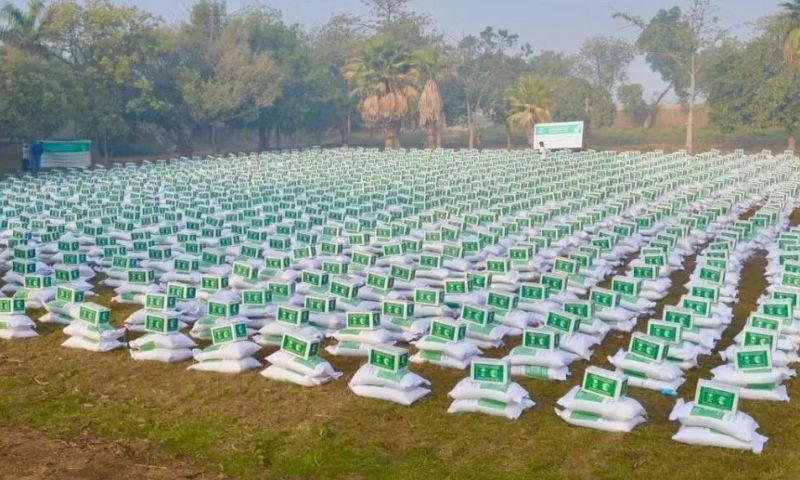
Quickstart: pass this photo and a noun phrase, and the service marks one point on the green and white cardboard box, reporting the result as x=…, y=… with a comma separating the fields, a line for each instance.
x=753, y=359
x=233, y=332
x=292, y=315
x=159, y=301
x=320, y=303
x=563, y=322
x=532, y=292
x=281, y=289
x=429, y=296
x=363, y=320
x=182, y=291
x=604, y=298
x=94, y=314
x=389, y=358
x=647, y=349
x=753, y=336
x=666, y=331
x=605, y=383
x=477, y=314
x=256, y=297
x=161, y=322
x=764, y=321
x=397, y=308
x=448, y=330
x=65, y=293
x=223, y=308
x=542, y=338
x=721, y=399
x=300, y=346
x=502, y=300
x=490, y=371
x=12, y=306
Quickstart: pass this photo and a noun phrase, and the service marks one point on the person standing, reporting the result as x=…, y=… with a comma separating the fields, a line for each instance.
x=543, y=151
x=26, y=157
x=37, y=151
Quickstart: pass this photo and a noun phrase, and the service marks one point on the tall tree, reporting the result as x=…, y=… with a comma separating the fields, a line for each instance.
x=631, y=96
x=604, y=61
x=553, y=65
x=106, y=49
x=530, y=102
x=22, y=29
x=383, y=74
x=673, y=42
x=487, y=67
x=34, y=95
x=434, y=67
x=791, y=41
x=750, y=86
x=241, y=83
x=331, y=44
x=396, y=19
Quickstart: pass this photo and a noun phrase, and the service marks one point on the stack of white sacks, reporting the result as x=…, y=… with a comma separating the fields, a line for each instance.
x=363, y=330
x=483, y=330
x=751, y=367
x=257, y=306
x=386, y=377
x=92, y=330
x=37, y=289
x=607, y=309
x=713, y=419
x=191, y=309
x=601, y=402
x=646, y=364
x=153, y=302
x=222, y=308
x=230, y=351
x=298, y=362
x=401, y=316
x=572, y=343
x=539, y=355
x=289, y=319
x=446, y=345
x=489, y=390
x=14, y=324
x=163, y=340
x=65, y=307
x=137, y=283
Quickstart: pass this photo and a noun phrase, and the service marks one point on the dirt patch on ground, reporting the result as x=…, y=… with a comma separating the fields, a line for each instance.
x=27, y=454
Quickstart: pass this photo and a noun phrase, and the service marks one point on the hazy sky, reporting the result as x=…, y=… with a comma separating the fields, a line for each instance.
x=545, y=24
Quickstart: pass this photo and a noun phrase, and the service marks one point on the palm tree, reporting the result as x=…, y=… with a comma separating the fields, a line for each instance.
x=529, y=103
x=383, y=74
x=23, y=28
x=435, y=68
x=791, y=42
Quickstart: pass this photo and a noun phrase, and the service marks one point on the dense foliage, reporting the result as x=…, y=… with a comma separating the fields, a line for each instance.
x=116, y=74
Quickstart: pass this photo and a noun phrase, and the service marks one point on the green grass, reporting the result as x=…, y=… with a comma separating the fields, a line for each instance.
x=249, y=427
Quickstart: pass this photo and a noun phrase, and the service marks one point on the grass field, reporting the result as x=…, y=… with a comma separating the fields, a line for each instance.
x=107, y=416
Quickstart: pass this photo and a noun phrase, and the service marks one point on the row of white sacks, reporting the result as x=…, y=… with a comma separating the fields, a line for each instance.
x=756, y=366
x=552, y=355
x=693, y=430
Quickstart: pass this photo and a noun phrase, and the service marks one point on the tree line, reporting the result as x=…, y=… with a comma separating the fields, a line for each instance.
x=115, y=74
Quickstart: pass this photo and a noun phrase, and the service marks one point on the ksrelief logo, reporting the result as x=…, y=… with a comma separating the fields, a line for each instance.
x=299, y=346
x=234, y=332
x=489, y=371
x=541, y=339
x=363, y=320
x=392, y=359
x=448, y=330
